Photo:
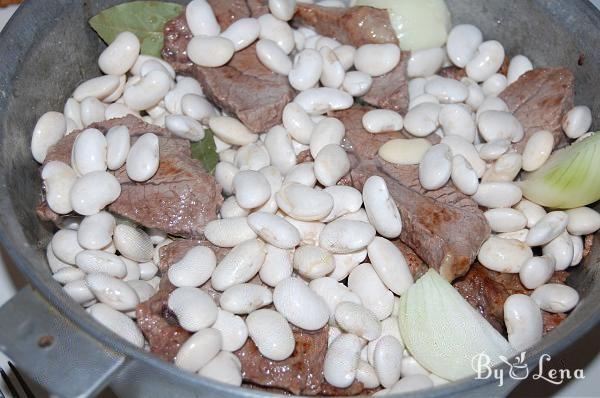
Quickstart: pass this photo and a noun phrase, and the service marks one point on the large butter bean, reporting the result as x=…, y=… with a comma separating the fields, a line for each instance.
x=92, y=192
x=504, y=255
x=300, y=305
x=523, y=321
x=120, y=55
x=194, y=308
x=381, y=208
x=239, y=265
x=555, y=297
x=271, y=333
x=304, y=203
x=376, y=59
x=390, y=264
x=375, y=296
x=49, y=129
x=497, y=194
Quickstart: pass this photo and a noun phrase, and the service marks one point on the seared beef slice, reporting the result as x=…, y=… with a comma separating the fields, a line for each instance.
x=444, y=227
x=244, y=87
x=539, y=99
x=180, y=199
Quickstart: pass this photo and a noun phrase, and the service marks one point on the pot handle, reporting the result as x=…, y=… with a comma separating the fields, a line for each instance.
x=51, y=350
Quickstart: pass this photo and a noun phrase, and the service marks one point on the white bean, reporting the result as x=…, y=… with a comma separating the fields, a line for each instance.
x=79, y=292
x=233, y=330
x=436, y=167
x=345, y=54
x=333, y=293
x=411, y=367
x=274, y=230
x=304, y=203
x=271, y=333
x=346, y=236
x=387, y=360
x=331, y=164
x=58, y=178
x=404, y=151
x=72, y=110
x=92, y=111
x=422, y=120
x=333, y=72
x=306, y=69
x=65, y=246
x=68, y=274
x=523, y=321
x=118, y=110
x=225, y=172
x=282, y=9
x=251, y=189
x=381, y=120
x=447, y=90
x=345, y=200
x=199, y=350
x=547, y=228
x=375, y=296
x=320, y=100
x=309, y=230
x=463, y=176
x=376, y=59
x=276, y=267
x=504, y=255
x=341, y=360
x=143, y=158
x=53, y=262
x=279, y=146
x=345, y=263
x=297, y=122
x=231, y=130
x=424, y=63
x=300, y=305
x=194, y=269
x=365, y=373
x=98, y=87
x=173, y=99
x=240, y=265
x=491, y=104
x=148, y=91
x=583, y=221
x=494, y=84
x=506, y=168
x=197, y=107
x=497, y=194
x=381, y=208
x=313, y=262
x=133, y=243
x=184, y=127
x=357, y=83
x=194, y=308
x=278, y=31
x=497, y=125
x=412, y=383
x=456, y=119
x=201, y=19
x=577, y=249
x=92, y=261
x=117, y=146
x=476, y=95
x=519, y=65
x=577, y=121
x=487, y=60
x=210, y=51
x=462, y=43
x=493, y=149
x=390, y=264
x=555, y=297
x=561, y=249
x=225, y=367
x=303, y=174
x=327, y=131
x=242, y=32
x=120, y=55
x=273, y=57
x=356, y=319
x=538, y=150
x=148, y=270
x=112, y=292
x=118, y=323
x=133, y=269
x=505, y=220
x=49, y=129
x=245, y=298
x=532, y=211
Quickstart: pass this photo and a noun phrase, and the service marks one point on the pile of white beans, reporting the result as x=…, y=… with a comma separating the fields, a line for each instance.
x=288, y=223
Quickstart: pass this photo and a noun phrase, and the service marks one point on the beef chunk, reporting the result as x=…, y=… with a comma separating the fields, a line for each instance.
x=244, y=87
x=159, y=325
x=444, y=227
x=539, y=99
x=180, y=199
x=355, y=25
x=390, y=91
x=487, y=291
x=300, y=374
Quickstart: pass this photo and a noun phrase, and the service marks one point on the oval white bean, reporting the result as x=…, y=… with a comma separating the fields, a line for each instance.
x=365, y=373
x=279, y=31
x=390, y=264
x=79, y=292
x=112, y=292
x=497, y=194
x=148, y=270
x=456, y=119
x=345, y=200
x=375, y=296
x=233, y=330
x=583, y=221
x=422, y=120
x=577, y=249
x=376, y=59
x=184, y=127
x=143, y=158
x=199, y=349
x=201, y=19
x=98, y=87
x=273, y=57
x=494, y=84
x=65, y=245
x=58, y=178
x=117, y=146
x=538, y=150
x=313, y=262
x=447, y=90
x=327, y=131
x=555, y=297
x=404, y=151
x=118, y=323
x=228, y=232
x=463, y=176
x=133, y=243
x=274, y=230
x=68, y=274
x=333, y=293
x=331, y=164
x=194, y=269
x=320, y=100
x=562, y=250
x=333, y=72
x=356, y=319
x=387, y=360
x=282, y=9
x=424, y=63
x=299, y=304
x=346, y=236
x=53, y=262
x=271, y=333
x=231, y=130
x=306, y=69
x=245, y=298
x=532, y=211
x=504, y=255
x=519, y=65
x=462, y=43
x=240, y=265
x=523, y=321
x=276, y=267
x=487, y=60
x=194, y=308
x=89, y=152
x=436, y=167
x=304, y=203
x=495, y=125
x=225, y=367
x=210, y=51
x=505, y=220
x=297, y=122
x=380, y=120
x=98, y=261
x=341, y=360
x=242, y=32
x=48, y=130
x=547, y=228
x=357, y=83
x=120, y=55
x=279, y=146
x=577, y=121
x=225, y=172
x=148, y=91
x=197, y=107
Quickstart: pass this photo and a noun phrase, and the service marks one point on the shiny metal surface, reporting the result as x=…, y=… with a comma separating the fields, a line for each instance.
x=48, y=48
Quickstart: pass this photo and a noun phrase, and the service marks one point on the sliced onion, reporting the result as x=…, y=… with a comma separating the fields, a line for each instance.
x=443, y=332
x=570, y=178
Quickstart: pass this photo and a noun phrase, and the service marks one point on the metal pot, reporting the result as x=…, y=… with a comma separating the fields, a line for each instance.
x=48, y=48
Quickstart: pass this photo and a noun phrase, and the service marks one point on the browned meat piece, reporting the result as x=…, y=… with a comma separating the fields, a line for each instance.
x=390, y=91
x=587, y=244
x=159, y=325
x=355, y=25
x=453, y=72
x=258, y=7
x=539, y=99
x=45, y=213
x=173, y=252
x=244, y=87
x=229, y=11
x=303, y=157
x=417, y=267
x=301, y=373
x=180, y=199
x=487, y=291
x=431, y=218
